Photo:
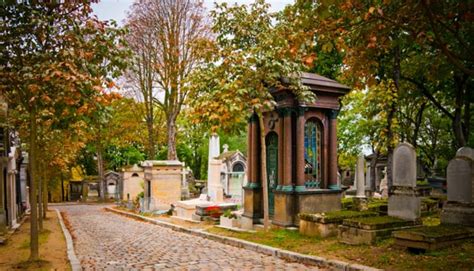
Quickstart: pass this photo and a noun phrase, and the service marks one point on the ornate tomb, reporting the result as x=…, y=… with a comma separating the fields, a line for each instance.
x=301, y=146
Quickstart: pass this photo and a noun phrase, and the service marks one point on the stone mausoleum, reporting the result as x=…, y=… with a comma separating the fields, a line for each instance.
x=301, y=147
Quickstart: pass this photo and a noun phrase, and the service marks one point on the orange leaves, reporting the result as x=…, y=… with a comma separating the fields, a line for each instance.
x=309, y=59
x=33, y=88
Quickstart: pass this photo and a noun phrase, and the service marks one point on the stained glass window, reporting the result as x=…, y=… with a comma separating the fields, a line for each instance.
x=312, y=151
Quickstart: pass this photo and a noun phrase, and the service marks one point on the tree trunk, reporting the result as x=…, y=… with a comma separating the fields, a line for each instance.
x=419, y=119
x=62, y=187
x=45, y=197
x=391, y=116
x=263, y=169
x=151, y=139
x=459, y=131
x=171, y=124
x=40, y=198
x=372, y=172
x=100, y=169
x=34, y=255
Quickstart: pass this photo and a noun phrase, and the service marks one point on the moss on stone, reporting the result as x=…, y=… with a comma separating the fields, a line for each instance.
x=335, y=216
x=373, y=220
x=439, y=231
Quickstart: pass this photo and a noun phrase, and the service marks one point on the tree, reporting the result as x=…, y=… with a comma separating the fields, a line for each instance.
x=56, y=58
x=252, y=55
x=175, y=34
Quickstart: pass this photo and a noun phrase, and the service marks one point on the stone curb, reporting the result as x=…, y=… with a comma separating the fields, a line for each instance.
x=71, y=254
x=267, y=250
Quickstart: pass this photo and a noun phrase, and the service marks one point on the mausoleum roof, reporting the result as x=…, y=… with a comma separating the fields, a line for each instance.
x=313, y=79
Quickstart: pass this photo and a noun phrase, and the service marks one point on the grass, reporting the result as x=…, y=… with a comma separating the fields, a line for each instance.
x=382, y=255
x=42, y=239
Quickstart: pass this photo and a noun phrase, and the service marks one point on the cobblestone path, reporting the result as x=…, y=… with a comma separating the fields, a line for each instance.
x=107, y=241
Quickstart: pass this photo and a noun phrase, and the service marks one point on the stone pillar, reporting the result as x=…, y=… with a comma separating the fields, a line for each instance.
x=3, y=218
x=214, y=185
x=360, y=201
x=360, y=180
x=249, y=150
x=368, y=179
x=254, y=146
x=332, y=174
x=252, y=191
x=287, y=151
x=300, y=163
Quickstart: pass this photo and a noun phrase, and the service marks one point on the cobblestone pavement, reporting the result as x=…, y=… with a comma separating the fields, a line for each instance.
x=107, y=241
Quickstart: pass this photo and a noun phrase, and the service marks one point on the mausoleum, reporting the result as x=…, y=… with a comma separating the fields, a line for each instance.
x=301, y=147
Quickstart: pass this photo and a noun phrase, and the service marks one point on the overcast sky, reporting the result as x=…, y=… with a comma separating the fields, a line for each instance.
x=117, y=9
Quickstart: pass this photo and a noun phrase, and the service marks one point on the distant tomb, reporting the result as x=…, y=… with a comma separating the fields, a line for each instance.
x=163, y=181
x=133, y=182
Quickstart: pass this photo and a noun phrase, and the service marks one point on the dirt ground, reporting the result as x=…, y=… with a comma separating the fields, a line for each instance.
x=14, y=255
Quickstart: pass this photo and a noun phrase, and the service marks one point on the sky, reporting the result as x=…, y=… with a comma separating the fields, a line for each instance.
x=117, y=9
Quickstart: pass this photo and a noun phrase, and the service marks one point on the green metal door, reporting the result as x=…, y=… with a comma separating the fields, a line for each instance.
x=272, y=169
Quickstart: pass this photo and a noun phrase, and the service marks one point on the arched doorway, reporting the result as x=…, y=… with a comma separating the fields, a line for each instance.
x=272, y=169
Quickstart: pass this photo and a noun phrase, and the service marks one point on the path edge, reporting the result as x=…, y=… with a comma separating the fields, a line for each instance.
x=71, y=254
x=267, y=250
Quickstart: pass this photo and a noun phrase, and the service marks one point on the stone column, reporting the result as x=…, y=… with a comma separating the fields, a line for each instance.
x=300, y=163
x=360, y=182
x=287, y=154
x=250, y=151
x=332, y=153
x=3, y=219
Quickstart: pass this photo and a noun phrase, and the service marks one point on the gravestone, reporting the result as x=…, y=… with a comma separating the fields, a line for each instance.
x=384, y=184
x=404, y=202
x=360, y=178
x=360, y=200
x=404, y=166
x=214, y=185
x=460, y=184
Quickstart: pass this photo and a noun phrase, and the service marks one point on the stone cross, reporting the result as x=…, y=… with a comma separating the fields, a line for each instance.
x=225, y=147
x=360, y=178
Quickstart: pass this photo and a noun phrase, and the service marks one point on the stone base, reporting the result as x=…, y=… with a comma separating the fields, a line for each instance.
x=432, y=238
x=246, y=223
x=253, y=202
x=317, y=201
x=360, y=204
x=458, y=213
x=284, y=206
x=326, y=224
x=405, y=207
x=186, y=208
x=229, y=222
x=357, y=231
x=310, y=228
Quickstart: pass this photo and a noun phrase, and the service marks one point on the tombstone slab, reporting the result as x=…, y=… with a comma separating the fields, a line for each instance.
x=460, y=184
x=405, y=200
x=404, y=165
x=460, y=179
